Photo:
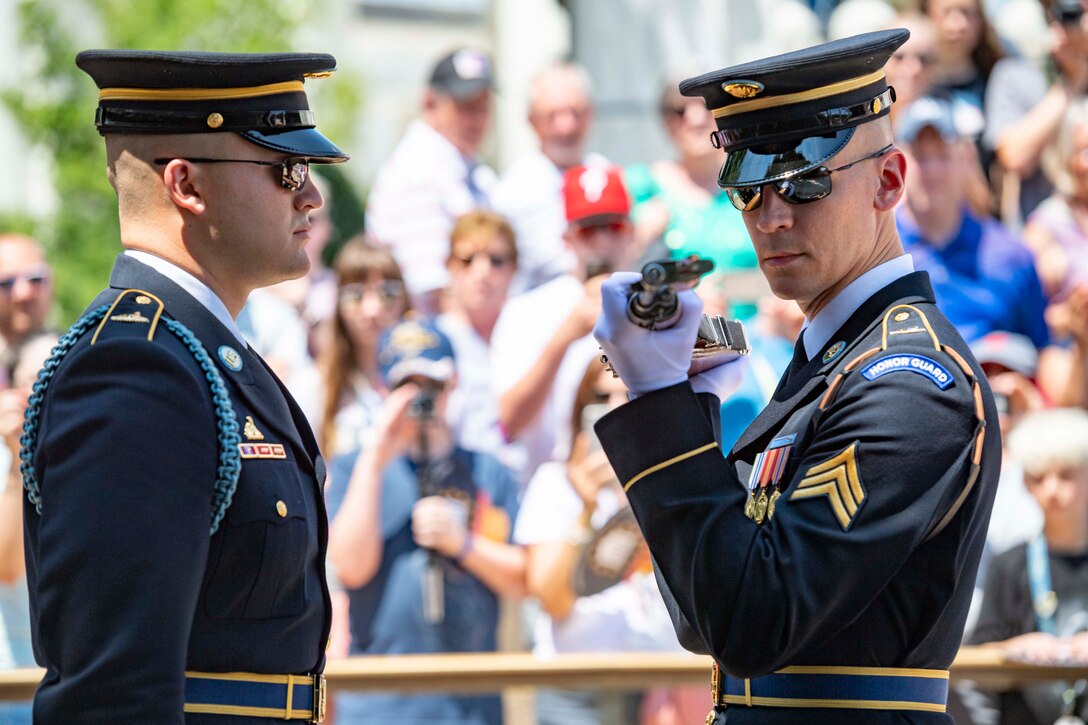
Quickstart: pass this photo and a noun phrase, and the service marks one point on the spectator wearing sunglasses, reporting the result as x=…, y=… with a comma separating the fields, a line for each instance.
x=529, y=193
x=541, y=343
x=175, y=523
x=26, y=290
x=844, y=528
x=984, y=277
x=371, y=296
x=482, y=264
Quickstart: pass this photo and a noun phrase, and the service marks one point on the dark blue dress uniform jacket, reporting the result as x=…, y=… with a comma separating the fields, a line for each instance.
x=128, y=589
x=889, y=585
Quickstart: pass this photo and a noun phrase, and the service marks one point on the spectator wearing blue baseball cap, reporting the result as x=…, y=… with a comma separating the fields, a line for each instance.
x=412, y=503
x=983, y=276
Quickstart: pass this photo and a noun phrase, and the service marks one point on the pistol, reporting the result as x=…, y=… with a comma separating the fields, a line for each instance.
x=653, y=304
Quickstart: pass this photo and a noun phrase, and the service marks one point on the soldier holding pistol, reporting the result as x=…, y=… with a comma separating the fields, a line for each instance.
x=827, y=561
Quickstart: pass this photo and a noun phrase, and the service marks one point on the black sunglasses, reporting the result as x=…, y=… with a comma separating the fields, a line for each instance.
x=294, y=170
x=35, y=279
x=803, y=188
x=498, y=261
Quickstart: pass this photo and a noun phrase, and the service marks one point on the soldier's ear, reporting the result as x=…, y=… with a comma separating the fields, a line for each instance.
x=892, y=180
x=181, y=179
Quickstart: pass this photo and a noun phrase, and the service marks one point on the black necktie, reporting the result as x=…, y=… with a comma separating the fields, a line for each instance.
x=800, y=357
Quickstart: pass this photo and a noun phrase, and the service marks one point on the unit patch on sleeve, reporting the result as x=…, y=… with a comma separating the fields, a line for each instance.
x=836, y=478
x=919, y=364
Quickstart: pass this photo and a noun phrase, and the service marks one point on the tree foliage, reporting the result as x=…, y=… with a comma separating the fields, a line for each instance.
x=54, y=107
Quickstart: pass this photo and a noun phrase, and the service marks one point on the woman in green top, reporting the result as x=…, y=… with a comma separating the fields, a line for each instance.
x=678, y=205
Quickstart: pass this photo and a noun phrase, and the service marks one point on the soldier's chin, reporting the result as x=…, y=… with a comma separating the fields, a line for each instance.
x=597, y=267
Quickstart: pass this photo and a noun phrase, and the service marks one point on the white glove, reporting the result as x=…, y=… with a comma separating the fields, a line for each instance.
x=721, y=380
x=645, y=360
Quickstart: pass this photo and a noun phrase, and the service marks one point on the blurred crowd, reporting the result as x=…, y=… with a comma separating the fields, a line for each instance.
x=446, y=363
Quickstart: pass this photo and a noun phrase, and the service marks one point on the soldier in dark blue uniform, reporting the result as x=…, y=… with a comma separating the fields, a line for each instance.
x=827, y=561
x=175, y=530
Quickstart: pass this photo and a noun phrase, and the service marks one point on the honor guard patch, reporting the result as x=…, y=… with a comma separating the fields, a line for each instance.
x=919, y=364
x=838, y=480
x=262, y=450
x=230, y=357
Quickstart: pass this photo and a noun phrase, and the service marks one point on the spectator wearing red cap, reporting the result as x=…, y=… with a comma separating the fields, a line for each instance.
x=541, y=344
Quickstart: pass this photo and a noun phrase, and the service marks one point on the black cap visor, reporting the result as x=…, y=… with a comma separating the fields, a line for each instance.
x=764, y=164
x=306, y=142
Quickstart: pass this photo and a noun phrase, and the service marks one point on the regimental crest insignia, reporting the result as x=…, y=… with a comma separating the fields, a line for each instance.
x=838, y=479
x=230, y=357
x=743, y=89
x=250, y=430
x=767, y=471
x=833, y=352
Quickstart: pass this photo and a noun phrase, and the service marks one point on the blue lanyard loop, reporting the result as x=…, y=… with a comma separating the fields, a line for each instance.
x=1043, y=598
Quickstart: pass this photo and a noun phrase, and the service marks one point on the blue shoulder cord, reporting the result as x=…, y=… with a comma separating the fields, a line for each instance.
x=230, y=463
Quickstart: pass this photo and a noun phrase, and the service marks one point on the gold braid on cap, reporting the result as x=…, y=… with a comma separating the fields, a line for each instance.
x=813, y=94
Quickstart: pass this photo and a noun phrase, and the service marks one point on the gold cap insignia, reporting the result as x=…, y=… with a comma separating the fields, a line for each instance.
x=743, y=89
x=143, y=300
x=902, y=316
x=250, y=430
x=215, y=120
x=877, y=105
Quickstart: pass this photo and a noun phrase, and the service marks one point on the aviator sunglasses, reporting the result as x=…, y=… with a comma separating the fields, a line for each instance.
x=294, y=170
x=803, y=188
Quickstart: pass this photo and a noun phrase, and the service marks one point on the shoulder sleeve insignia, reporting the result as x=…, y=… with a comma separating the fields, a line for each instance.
x=919, y=364
x=837, y=479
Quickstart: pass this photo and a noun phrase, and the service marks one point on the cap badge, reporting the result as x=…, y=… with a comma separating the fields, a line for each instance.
x=901, y=316
x=143, y=300
x=410, y=339
x=215, y=120
x=743, y=89
x=594, y=181
x=250, y=430
x=230, y=357
x=833, y=352
x=470, y=64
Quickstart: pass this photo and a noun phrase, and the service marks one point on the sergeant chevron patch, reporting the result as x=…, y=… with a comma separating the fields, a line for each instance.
x=838, y=479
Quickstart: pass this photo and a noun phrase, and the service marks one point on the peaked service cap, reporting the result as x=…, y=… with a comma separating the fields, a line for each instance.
x=789, y=113
x=260, y=96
